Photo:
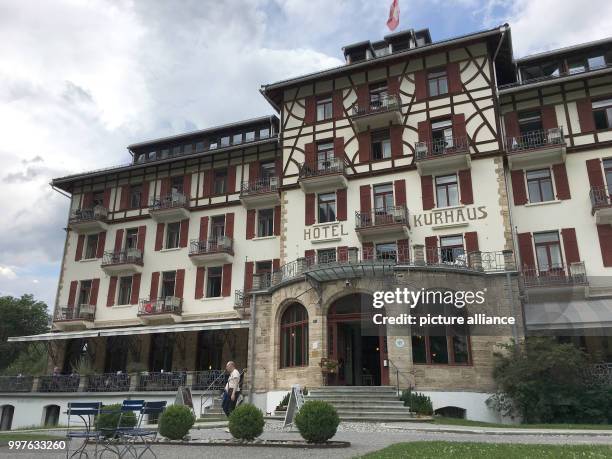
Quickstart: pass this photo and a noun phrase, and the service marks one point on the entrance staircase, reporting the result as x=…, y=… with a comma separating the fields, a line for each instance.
x=363, y=403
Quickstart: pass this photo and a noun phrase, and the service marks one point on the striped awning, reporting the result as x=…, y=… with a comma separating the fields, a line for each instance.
x=173, y=328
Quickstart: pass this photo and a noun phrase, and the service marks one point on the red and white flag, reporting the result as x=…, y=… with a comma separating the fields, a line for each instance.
x=394, y=13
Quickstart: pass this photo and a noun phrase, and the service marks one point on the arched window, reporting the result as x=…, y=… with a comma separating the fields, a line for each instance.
x=51, y=415
x=294, y=336
x=6, y=417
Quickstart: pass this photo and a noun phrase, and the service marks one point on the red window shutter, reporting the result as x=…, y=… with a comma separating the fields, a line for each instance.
x=365, y=146
x=367, y=250
x=277, y=220
x=154, y=285
x=363, y=97
x=250, y=226
x=79, y=248
x=427, y=192
x=471, y=241
x=231, y=179
x=454, y=77
x=365, y=199
x=187, y=185
x=275, y=264
x=596, y=179
x=144, y=197
x=431, y=249
x=135, y=288
x=585, y=115
x=570, y=245
x=118, y=240
x=337, y=105
x=112, y=288
x=526, y=250
x=512, y=125
x=199, y=283
x=106, y=198
x=549, y=117
x=400, y=192
x=124, y=203
x=403, y=250
x=72, y=293
x=309, y=155
x=93, y=295
x=184, y=234
x=424, y=131
x=393, y=85
x=605, y=243
x=159, y=237
x=397, y=146
x=142, y=236
x=226, y=282
x=203, y=228
x=465, y=186
x=518, y=188
x=310, y=110
x=309, y=211
x=309, y=255
x=253, y=171
x=180, y=283
x=164, y=188
x=101, y=244
x=342, y=253
x=248, y=276
x=208, y=183
x=420, y=85
x=341, y=203
x=459, y=130
x=229, y=225
x=339, y=147
x=87, y=202
x=561, y=182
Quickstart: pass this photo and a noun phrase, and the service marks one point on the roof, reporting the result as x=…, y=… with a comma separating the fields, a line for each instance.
x=567, y=49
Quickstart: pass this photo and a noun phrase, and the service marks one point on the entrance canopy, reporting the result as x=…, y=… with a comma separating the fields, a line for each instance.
x=182, y=327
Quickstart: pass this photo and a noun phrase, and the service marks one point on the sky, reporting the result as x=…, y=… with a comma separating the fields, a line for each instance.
x=79, y=81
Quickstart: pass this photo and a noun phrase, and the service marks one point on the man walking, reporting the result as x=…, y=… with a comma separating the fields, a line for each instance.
x=232, y=388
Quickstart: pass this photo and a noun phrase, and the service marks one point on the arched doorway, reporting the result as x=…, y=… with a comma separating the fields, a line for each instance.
x=51, y=415
x=359, y=349
x=6, y=417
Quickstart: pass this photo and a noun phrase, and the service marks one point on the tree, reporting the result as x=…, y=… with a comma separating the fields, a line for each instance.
x=19, y=316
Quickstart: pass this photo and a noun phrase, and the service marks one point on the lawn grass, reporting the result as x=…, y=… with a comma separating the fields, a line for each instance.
x=439, y=420
x=18, y=436
x=457, y=450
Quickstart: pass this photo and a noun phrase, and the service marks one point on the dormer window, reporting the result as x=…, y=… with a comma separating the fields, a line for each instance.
x=225, y=141
x=213, y=145
x=237, y=139
x=249, y=136
x=264, y=133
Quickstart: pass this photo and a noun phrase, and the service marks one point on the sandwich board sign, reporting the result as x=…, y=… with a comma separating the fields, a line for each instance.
x=183, y=397
x=296, y=400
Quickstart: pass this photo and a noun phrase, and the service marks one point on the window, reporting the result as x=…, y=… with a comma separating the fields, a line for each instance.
x=294, y=337
x=225, y=141
x=437, y=83
x=249, y=136
x=324, y=109
x=451, y=249
x=164, y=153
x=327, y=207
x=263, y=267
x=187, y=148
x=237, y=138
x=447, y=191
x=264, y=133
x=84, y=292
x=98, y=198
x=265, y=222
x=546, y=70
x=135, y=196
x=529, y=122
x=325, y=156
x=326, y=256
x=381, y=144
x=442, y=135
x=173, y=231
x=267, y=170
x=383, y=197
x=607, y=165
x=125, y=290
x=602, y=111
x=386, y=251
x=378, y=94
x=539, y=185
x=217, y=227
x=176, y=184
x=91, y=246
x=213, y=285
x=213, y=144
x=220, y=185
x=548, y=252
x=131, y=238
x=199, y=146
x=168, y=283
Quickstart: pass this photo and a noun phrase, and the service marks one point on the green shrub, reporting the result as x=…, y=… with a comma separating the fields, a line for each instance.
x=285, y=401
x=107, y=421
x=175, y=422
x=317, y=421
x=246, y=422
x=418, y=403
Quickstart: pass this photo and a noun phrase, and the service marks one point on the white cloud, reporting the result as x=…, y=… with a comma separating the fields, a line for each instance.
x=7, y=272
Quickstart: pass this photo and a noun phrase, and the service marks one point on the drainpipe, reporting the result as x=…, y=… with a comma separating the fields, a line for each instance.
x=251, y=362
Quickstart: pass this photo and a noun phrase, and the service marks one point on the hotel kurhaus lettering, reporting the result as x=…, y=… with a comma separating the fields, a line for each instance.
x=258, y=241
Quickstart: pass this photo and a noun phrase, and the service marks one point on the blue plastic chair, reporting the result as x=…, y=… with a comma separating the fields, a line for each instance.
x=147, y=436
x=86, y=411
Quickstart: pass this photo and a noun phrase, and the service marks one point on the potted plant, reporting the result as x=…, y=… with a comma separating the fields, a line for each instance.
x=329, y=366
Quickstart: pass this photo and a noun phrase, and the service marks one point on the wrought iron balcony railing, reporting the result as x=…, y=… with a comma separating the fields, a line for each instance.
x=319, y=168
x=166, y=305
x=375, y=105
x=601, y=196
x=17, y=383
x=554, y=77
x=162, y=380
x=169, y=201
x=108, y=382
x=262, y=185
x=77, y=312
x=97, y=213
x=129, y=256
x=209, y=380
x=59, y=383
x=534, y=140
x=555, y=275
x=385, y=216
x=222, y=244
x=440, y=147
x=242, y=300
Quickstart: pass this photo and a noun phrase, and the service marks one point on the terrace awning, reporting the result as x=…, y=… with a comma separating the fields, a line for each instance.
x=580, y=316
x=174, y=328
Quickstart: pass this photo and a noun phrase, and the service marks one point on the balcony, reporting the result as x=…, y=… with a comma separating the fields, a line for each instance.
x=18, y=383
x=171, y=207
x=377, y=113
x=558, y=276
x=441, y=156
x=391, y=222
x=88, y=220
x=212, y=251
x=323, y=176
x=601, y=204
x=59, y=383
x=108, y=382
x=161, y=310
x=260, y=193
x=127, y=261
x=77, y=317
x=536, y=148
x=242, y=302
x=162, y=380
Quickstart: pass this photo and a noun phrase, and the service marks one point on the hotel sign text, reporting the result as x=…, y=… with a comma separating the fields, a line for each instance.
x=323, y=232
x=450, y=216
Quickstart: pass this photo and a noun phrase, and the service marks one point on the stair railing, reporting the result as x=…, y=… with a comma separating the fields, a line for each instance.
x=206, y=394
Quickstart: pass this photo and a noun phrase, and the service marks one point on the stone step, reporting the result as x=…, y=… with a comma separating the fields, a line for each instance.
x=371, y=408
x=342, y=396
x=369, y=402
x=372, y=389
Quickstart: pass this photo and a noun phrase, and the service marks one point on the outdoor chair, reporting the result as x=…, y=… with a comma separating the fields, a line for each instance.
x=130, y=436
x=86, y=412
